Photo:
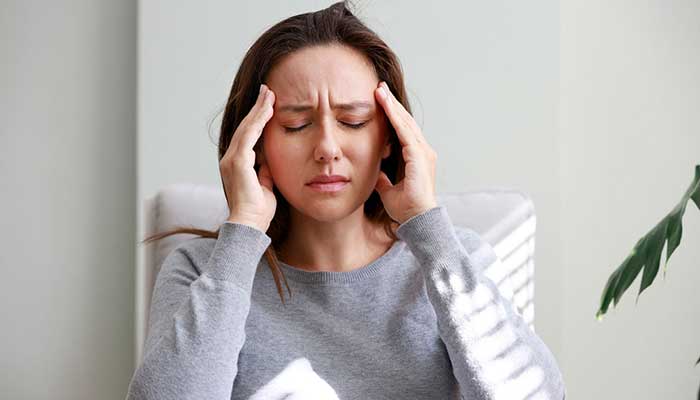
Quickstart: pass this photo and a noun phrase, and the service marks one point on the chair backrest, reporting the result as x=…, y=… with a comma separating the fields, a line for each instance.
x=505, y=218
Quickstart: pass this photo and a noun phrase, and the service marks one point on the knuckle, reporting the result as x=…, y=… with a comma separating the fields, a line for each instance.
x=223, y=163
x=400, y=123
x=261, y=117
x=256, y=126
x=240, y=160
x=226, y=166
x=266, y=112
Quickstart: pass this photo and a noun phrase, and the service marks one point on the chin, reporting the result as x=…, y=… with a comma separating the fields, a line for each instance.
x=326, y=212
x=329, y=209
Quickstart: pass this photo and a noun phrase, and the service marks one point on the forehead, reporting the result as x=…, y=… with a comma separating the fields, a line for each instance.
x=339, y=72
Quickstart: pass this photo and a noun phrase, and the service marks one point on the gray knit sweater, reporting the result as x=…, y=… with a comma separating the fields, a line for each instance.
x=420, y=322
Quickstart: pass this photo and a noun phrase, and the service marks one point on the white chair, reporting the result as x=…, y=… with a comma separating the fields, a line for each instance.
x=504, y=217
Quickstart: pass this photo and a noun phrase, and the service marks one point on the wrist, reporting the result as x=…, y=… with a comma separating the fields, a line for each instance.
x=246, y=221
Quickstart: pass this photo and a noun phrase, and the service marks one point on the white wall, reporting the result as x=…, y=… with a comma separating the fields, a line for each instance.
x=67, y=173
x=630, y=137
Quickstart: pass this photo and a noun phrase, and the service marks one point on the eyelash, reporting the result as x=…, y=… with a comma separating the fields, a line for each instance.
x=351, y=126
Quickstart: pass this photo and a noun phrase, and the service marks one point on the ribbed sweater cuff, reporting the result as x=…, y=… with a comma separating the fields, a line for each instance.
x=237, y=253
x=430, y=235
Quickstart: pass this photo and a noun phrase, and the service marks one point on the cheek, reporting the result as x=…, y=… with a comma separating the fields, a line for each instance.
x=365, y=154
x=374, y=141
x=271, y=149
x=281, y=158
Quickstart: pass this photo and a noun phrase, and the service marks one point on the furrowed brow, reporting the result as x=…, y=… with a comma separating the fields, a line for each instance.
x=352, y=106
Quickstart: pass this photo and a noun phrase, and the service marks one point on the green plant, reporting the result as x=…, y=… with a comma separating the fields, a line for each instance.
x=647, y=252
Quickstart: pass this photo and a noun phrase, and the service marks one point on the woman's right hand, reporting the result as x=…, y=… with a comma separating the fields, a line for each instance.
x=250, y=197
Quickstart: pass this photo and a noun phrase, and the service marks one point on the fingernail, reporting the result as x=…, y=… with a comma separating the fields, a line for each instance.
x=382, y=92
x=262, y=88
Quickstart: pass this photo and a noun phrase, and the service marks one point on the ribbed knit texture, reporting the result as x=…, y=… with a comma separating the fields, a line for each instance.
x=420, y=322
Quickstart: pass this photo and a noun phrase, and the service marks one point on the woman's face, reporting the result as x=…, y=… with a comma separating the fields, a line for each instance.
x=319, y=93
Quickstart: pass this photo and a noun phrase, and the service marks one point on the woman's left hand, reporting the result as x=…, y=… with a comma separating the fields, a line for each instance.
x=415, y=194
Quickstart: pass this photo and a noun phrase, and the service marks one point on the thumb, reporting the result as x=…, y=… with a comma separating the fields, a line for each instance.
x=383, y=183
x=265, y=177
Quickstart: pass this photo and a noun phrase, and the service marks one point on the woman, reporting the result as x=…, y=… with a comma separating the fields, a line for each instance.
x=389, y=299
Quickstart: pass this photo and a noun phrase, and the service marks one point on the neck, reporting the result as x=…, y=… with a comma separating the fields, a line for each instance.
x=338, y=245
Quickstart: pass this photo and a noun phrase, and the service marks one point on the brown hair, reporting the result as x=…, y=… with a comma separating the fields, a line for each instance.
x=333, y=25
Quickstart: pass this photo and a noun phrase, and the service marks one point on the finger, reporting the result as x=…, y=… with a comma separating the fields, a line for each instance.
x=397, y=121
x=383, y=182
x=253, y=123
x=406, y=127
x=408, y=118
x=410, y=121
x=253, y=111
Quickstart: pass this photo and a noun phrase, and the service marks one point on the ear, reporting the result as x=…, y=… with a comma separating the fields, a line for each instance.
x=259, y=155
x=387, y=150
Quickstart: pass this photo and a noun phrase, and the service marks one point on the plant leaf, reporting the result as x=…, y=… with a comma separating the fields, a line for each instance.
x=657, y=237
x=695, y=193
x=675, y=231
x=630, y=270
x=614, y=281
x=646, y=254
x=607, y=294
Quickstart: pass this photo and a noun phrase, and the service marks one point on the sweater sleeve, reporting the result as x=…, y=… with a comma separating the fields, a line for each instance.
x=197, y=319
x=494, y=352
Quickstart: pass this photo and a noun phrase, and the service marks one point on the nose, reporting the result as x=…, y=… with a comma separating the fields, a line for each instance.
x=327, y=148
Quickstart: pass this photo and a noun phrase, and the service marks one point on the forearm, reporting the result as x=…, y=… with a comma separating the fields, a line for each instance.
x=196, y=327
x=494, y=352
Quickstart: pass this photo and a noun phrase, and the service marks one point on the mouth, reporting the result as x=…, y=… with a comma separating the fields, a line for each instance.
x=328, y=187
x=323, y=178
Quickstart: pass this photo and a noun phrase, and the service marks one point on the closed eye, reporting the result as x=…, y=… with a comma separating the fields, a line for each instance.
x=351, y=126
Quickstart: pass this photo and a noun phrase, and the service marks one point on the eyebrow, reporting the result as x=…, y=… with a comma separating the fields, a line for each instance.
x=352, y=106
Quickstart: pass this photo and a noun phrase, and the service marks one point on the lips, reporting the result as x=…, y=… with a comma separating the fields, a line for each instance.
x=328, y=179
